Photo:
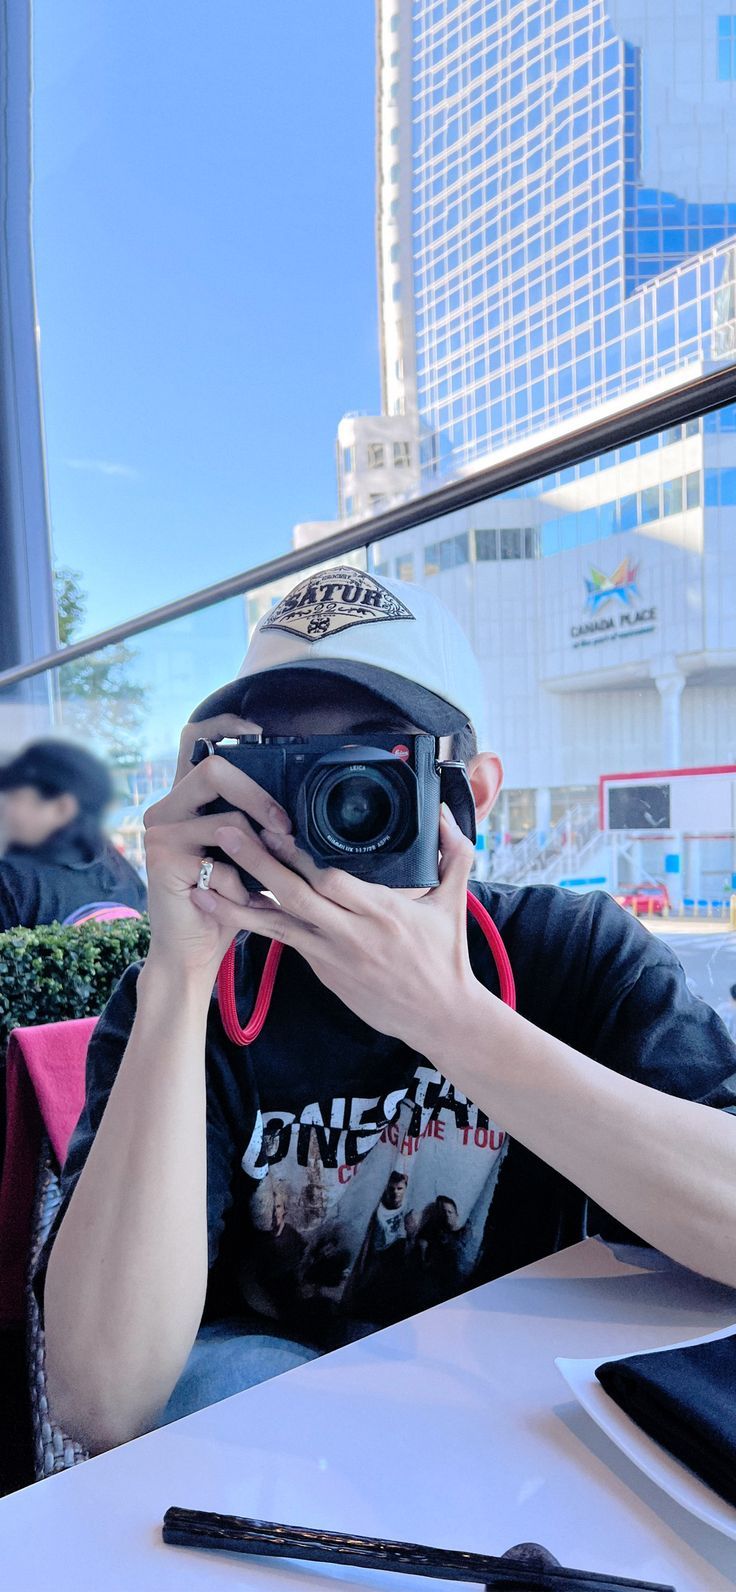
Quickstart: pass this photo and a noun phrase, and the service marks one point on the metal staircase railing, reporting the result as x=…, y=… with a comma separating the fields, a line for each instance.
x=538, y=853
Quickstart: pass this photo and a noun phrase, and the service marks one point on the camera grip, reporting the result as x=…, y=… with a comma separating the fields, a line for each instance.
x=455, y=789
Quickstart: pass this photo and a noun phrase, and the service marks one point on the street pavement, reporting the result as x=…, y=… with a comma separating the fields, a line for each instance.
x=708, y=956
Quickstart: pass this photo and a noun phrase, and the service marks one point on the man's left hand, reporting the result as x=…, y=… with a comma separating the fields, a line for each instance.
x=400, y=962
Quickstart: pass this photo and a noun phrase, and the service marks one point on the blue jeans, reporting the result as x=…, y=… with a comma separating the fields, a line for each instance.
x=227, y=1357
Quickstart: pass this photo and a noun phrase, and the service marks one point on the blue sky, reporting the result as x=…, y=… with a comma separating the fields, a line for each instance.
x=205, y=264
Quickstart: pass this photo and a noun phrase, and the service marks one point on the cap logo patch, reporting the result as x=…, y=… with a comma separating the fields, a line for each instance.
x=332, y=601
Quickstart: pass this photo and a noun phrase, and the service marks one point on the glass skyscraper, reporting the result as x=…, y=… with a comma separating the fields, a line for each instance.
x=555, y=227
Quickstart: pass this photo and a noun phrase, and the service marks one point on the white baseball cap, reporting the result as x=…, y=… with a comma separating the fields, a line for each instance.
x=396, y=640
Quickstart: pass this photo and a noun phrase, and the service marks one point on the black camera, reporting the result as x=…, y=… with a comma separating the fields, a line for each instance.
x=372, y=809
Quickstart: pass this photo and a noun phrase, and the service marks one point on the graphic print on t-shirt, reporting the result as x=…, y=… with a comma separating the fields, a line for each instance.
x=422, y=1161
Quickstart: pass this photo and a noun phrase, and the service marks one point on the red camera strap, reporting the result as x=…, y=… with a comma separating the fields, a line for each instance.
x=246, y=1036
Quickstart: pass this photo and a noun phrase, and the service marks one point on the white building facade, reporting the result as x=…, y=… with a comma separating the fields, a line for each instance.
x=378, y=462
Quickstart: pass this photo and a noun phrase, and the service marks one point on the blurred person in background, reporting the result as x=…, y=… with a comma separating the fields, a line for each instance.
x=58, y=858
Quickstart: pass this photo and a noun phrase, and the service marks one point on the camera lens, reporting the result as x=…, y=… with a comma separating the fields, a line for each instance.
x=359, y=809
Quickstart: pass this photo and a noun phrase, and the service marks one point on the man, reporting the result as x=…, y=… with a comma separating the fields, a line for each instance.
x=440, y=1249
x=388, y=1224
x=378, y=1269
x=386, y=1047
x=58, y=858
x=276, y=1251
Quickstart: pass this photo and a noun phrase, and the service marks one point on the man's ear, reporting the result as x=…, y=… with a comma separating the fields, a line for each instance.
x=485, y=772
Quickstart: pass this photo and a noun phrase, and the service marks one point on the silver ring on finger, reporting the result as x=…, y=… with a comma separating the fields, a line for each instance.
x=205, y=873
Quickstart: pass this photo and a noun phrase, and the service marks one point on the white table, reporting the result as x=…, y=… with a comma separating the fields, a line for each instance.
x=453, y=1428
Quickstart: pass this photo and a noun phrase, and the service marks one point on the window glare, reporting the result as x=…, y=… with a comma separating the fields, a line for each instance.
x=417, y=248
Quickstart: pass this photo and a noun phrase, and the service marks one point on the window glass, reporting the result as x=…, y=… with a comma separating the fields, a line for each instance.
x=551, y=268
x=629, y=512
x=607, y=519
x=532, y=547
x=692, y=484
x=728, y=486
x=511, y=543
x=726, y=45
x=672, y=496
x=586, y=529
x=486, y=545
x=649, y=504
x=454, y=551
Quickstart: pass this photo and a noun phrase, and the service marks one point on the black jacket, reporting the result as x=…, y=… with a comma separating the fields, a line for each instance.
x=77, y=866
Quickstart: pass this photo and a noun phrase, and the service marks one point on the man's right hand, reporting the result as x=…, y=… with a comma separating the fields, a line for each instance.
x=178, y=836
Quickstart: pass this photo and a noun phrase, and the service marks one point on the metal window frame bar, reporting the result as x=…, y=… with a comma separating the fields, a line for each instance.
x=687, y=401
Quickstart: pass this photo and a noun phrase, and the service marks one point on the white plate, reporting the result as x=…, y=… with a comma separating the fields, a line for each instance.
x=669, y=1474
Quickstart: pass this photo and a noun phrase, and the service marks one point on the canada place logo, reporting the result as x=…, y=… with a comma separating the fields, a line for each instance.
x=602, y=589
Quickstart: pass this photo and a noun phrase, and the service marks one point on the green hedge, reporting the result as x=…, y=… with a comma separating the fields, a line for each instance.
x=53, y=973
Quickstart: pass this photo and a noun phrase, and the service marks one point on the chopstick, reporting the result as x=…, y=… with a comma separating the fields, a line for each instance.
x=196, y=1528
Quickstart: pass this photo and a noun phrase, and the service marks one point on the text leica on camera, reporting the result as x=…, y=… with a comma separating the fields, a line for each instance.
x=371, y=808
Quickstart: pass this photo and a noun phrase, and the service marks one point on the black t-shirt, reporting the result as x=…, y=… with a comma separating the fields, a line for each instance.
x=75, y=868
x=349, y=1183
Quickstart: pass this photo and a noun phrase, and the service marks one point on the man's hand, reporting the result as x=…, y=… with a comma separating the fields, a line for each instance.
x=178, y=836
x=225, y=726
x=398, y=962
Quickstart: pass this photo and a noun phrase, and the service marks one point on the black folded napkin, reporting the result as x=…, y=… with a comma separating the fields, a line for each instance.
x=686, y=1400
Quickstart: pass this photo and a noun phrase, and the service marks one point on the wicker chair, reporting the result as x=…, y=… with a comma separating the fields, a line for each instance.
x=53, y=1450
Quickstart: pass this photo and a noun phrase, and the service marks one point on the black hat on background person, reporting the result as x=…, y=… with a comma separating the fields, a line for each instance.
x=53, y=796
x=55, y=768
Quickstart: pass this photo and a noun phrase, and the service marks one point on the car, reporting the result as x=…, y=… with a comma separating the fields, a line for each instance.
x=645, y=900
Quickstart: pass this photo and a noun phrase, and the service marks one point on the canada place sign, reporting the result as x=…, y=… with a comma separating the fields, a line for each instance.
x=619, y=595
